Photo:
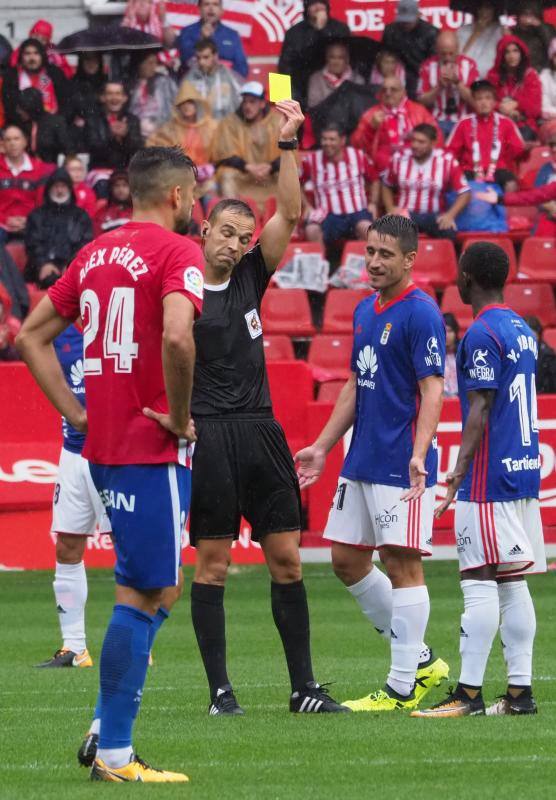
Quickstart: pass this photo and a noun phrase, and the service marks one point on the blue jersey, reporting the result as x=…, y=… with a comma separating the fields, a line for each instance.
x=69, y=349
x=499, y=352
x=394, y=347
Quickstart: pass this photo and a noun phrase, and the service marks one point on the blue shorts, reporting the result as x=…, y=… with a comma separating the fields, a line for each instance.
x=342, y=226
x=147, y=505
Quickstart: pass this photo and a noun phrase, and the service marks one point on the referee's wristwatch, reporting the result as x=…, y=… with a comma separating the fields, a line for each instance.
x=288, y=144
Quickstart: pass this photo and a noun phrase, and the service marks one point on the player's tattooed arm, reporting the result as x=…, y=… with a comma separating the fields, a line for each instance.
x=432, y=391
x=480, y=403
x=34, y=343
x=311, y=460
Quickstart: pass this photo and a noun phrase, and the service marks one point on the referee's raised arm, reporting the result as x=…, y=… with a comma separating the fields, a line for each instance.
x=276, y=234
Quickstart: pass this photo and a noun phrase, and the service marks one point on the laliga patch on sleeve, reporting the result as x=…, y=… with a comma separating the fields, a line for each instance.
x=193, y=281
x=279, y=87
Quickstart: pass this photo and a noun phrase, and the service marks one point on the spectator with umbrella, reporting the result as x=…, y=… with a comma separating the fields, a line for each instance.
x=478, y=40
x=152, y=94
x=518, y=87
x=412, y=39
x=336, y=70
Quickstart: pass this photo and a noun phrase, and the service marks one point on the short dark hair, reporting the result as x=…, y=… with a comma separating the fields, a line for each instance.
x=205, y=43
x=427, y=130
x=333, y=126
x=482, y=85
x=487, y=264
x=451, y=322
x=403, y=229
x=230, y=204
x=151, y=172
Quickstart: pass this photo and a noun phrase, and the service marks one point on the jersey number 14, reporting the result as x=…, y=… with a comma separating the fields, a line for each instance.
x=527, y=418
x=118, y=331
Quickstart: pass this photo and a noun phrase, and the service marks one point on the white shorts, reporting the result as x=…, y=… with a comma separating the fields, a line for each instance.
x=76, y=505
x=372, y=515
x=509, y=535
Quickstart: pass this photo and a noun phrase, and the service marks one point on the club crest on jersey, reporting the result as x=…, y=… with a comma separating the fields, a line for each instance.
x=367, y=364
x=480, y=371
x=386, y=333
x=193, y=281
x=433, y=358
x=254, y=325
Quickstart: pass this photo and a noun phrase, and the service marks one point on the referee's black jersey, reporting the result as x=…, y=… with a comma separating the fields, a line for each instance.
x=230, y=372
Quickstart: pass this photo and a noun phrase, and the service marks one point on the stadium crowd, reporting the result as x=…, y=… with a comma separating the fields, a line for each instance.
x=453, y=129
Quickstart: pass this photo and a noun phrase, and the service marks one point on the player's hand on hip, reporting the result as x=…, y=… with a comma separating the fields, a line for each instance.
x=417, y=476
x=310, y=463
x=452, y=485
x=188, y=432
x=293, y=118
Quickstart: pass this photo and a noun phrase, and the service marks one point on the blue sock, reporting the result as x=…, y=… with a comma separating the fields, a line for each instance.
x=123, y=668
x=161, y=616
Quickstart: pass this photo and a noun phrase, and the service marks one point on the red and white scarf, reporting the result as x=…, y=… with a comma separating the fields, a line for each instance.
x=495, y=148
x=42, y=81
x=336, y=80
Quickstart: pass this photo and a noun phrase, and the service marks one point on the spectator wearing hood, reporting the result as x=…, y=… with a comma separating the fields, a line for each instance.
x=113, y=133
x=227, y=40
x=33, y=71
x=118, y=208
x=192, y=128
x=55, y=231
x=245, y=148
x=305, y=42
x=412, y=39
x=518, y=87
x=22, y=178
x=85, y=88
x=217, y=84
x=534, y=32
x=42, y=30
x=152, y=94
x=47, y=134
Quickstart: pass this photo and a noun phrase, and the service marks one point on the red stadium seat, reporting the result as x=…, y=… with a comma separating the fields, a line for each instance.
x=287, y=311
x=330, y=354
x=527, y=181
x=451, y=301
x=338, y=310
x=18, y=253
x=35, y=295
x=436, y=262
x=549, y=337
x=301, y=247
x=278, y=348
x=537, y=261
x=532, y=299
x=356, y=247
x=537, y=157
x=292, y=389
x=502, y=241
x=329, y=391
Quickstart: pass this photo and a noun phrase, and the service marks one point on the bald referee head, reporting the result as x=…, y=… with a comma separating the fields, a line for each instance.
x=162, y=182
x=226, y=235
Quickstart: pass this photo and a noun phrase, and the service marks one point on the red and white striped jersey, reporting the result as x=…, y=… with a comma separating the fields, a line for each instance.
x=429, y=78
x=421, y=186
x=339, y=186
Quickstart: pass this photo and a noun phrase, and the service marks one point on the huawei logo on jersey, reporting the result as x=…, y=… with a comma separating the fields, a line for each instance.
x=367, y=363
x=76, y=373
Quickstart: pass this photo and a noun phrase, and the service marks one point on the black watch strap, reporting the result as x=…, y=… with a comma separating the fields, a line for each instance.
x=288, y=144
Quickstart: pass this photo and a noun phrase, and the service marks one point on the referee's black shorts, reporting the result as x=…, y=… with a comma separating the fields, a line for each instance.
x=242, y=467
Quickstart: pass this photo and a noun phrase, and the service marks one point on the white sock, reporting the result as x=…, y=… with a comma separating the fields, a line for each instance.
x=70, y=590
x=115, y=757
x=374, y=595
x=95, y=726
x=410, y=614
x=479, y=623
x=517, y=631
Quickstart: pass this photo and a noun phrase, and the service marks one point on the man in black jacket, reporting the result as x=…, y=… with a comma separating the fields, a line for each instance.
x=33, y=70
x=46, y=133
x=55, y=231
x=113, y=134
x=412, y=40
x=304, y=41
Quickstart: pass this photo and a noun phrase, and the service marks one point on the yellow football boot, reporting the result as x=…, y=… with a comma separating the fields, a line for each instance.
x=136, y=770
x=430, y=675
x=381, y=701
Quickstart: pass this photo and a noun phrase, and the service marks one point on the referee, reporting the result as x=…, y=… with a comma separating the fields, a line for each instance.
x=242, y=465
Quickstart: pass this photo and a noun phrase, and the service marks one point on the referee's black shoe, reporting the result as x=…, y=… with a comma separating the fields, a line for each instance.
x=225, y=703
x=314, y=699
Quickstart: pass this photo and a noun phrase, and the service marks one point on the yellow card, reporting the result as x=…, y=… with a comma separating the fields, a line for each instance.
x=279, y=87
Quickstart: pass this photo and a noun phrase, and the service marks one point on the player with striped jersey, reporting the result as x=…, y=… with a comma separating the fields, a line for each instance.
x=497, y=476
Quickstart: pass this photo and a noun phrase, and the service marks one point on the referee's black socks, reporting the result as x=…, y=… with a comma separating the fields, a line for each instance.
x=291, y=616
x=207, y=613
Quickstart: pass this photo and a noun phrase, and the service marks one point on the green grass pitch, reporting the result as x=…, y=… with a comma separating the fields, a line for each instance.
x=269, y=754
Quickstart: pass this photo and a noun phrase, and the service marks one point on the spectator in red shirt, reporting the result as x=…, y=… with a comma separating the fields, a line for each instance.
x=485, y=142
x=118, y=208
x=341, y=177
x=85, y=198
x=22, y=178
x=416, y=183
x=42, y=31
x=444, y=82
x=518, y=86
x=33, y=70
x=145, y=15
x=543, y=196
x=384, y=129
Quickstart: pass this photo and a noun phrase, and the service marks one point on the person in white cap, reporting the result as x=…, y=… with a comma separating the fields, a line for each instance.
x=411, y=39
x=245, y=148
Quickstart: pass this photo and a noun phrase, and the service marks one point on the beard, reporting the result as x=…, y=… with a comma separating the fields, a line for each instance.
x=181, y=224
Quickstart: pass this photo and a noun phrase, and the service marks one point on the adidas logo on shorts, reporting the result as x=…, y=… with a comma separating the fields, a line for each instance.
x=516, y=551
